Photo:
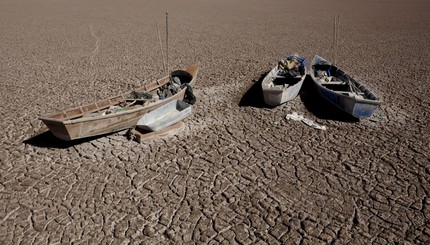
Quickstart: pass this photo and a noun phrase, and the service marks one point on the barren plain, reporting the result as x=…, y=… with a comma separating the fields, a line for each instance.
x=237, y=172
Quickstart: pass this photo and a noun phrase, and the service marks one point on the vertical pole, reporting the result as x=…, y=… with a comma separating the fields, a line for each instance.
x=167, y=42
x=336, y=37
x=334, y=41
x=161, y=49
x=337, y=33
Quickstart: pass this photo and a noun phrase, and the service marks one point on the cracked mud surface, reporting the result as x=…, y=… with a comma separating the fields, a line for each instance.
x=238, y=172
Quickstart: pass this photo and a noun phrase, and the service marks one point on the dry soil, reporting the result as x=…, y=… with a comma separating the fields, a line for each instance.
x=238, y=172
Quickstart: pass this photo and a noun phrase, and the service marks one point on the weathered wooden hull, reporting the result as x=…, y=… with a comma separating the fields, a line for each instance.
x=358, y=105
x=164, y=116
x=74, y=124
x=273, y=95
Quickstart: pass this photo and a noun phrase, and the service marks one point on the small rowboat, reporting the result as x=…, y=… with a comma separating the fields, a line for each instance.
x=280, y=86
x=341, y=90
x=164, y=116
x=109, y=115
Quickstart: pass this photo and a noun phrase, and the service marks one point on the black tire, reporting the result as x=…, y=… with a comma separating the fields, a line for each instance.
x=184, y=76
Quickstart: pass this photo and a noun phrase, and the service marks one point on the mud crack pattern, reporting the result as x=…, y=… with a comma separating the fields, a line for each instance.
x=238, y=172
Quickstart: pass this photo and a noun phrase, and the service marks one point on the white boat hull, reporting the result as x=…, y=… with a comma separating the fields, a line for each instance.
x=165, y=116
x=278, y=94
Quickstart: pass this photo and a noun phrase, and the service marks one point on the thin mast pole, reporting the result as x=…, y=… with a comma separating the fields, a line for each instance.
x=336, y=38
x=337, y=33
x=167, y=42
x=334, y=41
x=161, y=49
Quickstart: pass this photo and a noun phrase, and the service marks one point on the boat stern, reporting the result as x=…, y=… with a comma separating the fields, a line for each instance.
x=57, y=128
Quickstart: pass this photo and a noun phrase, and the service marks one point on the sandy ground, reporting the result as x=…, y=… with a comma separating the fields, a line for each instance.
x=238, y=173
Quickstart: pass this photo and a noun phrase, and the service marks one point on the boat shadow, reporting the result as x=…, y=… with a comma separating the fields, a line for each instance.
x=253, y=97
x=320, y=107
x=48, y=140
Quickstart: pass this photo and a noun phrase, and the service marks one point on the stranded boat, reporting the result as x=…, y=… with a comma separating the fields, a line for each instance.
x=341, y=90
x=119, y=112
x=164, y=116
x=284, y=81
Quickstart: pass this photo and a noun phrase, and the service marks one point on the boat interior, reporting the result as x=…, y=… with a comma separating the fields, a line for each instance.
x=336, y=80
x=286, y=81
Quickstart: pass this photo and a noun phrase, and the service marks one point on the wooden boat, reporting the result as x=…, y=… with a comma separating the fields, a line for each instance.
x=164, y=116
x=342, y=90
x=92, y=119
x=278, y=89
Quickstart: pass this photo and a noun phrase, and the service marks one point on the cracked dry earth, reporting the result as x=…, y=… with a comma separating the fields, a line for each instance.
x=237, y=172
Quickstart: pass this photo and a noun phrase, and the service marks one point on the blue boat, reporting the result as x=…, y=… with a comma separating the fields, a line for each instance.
x=341, y=90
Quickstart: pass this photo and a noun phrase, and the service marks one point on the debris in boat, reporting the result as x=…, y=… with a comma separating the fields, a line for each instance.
x=296, y=117
x=291, y=66
x=139, y=98
x=171, y=88
x=141, y=95
x=324, y=75
x=113, y=109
